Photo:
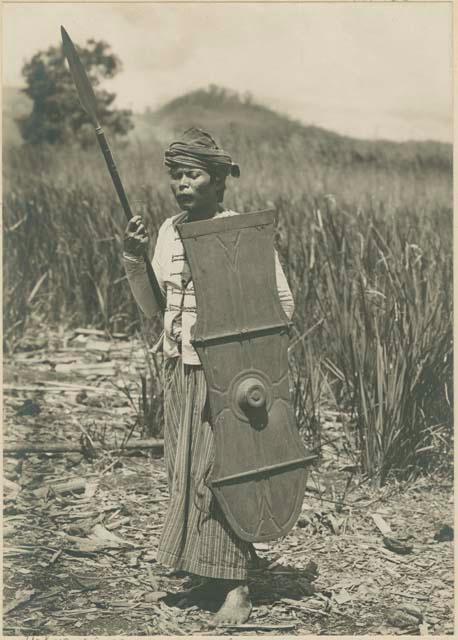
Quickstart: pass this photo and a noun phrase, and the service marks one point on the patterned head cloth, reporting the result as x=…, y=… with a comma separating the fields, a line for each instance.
x=198, y=149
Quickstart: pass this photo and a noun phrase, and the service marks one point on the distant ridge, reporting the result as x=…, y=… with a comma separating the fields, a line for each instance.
x=14, y=104
x=231, y=117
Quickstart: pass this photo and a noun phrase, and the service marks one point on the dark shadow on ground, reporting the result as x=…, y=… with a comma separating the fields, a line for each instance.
x=266, y=587
x=282, y=581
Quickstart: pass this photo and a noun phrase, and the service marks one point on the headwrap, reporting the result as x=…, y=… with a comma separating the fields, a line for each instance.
x=198, y=149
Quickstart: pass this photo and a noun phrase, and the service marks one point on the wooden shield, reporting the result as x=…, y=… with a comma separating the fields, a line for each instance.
x=241, y=337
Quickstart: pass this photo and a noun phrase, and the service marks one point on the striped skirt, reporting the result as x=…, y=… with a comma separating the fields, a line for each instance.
x=196, y=537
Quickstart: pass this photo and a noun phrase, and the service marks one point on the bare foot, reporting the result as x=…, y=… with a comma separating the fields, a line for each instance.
x=236, y=608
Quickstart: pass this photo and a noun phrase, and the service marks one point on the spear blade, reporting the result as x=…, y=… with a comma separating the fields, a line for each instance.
x=80, y=79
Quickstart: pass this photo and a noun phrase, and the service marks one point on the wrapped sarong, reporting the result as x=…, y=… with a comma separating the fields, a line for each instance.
x=196, y=537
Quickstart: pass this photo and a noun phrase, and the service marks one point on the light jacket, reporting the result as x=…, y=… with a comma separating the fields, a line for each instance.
x=174, y=278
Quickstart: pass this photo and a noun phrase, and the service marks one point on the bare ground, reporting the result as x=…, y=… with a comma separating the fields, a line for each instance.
x=79, y=559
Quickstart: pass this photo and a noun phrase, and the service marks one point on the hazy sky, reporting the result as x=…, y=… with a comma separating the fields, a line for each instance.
x=370, y=70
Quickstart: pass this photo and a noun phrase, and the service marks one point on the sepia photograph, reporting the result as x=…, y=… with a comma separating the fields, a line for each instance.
x=227, y=319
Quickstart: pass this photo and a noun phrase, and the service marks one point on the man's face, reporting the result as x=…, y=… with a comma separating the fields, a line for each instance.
x=194, y=189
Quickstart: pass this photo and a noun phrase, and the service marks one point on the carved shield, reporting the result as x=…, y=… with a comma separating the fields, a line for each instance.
x=241, y=337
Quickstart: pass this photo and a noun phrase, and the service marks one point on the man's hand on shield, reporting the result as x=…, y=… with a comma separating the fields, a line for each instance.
x=135, y=237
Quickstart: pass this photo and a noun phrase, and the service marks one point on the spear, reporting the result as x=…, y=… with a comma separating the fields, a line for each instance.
x=89, y=104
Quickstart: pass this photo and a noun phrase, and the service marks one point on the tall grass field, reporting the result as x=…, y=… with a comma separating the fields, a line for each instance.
x=365, y=240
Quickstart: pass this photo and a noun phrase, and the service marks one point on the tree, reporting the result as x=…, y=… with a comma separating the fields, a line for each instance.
x=57, y=115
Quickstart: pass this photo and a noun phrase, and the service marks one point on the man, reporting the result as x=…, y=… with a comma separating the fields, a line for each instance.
x=196, y=538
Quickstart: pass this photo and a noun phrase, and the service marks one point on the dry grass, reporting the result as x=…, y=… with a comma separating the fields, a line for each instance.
x=370, y=268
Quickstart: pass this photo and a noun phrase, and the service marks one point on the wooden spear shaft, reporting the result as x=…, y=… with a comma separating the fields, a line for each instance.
x=89, y=104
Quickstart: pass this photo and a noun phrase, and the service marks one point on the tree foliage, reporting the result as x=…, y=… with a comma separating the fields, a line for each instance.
x=57, y=115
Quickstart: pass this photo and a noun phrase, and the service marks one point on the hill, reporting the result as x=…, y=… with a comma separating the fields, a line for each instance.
x=233, y=117
x=14, y=104
x=238, y=120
